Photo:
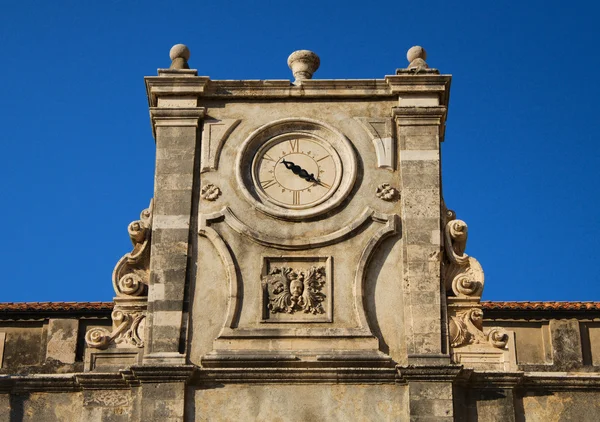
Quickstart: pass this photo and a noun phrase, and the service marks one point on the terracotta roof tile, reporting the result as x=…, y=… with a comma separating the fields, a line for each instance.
x=541, y=306
x=55, y=306
x=108, y=306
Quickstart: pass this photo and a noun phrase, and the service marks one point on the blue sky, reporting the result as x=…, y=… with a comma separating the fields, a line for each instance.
x=520, y=160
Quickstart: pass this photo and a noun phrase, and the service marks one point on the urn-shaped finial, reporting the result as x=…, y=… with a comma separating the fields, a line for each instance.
x=303, y=64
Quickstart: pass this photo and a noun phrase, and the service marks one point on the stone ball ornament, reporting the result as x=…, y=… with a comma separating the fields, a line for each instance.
x=179, y=55
x=416, y=52
x=416, y=58
x=179, y=51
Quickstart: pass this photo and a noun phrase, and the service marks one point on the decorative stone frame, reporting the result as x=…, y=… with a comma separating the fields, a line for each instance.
x=304, y=261
x=305, y=127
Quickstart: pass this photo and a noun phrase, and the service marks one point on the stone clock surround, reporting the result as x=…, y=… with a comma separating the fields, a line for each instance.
x=343, y=157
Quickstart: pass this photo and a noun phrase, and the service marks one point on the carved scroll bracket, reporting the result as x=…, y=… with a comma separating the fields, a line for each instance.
x=131, y=274
x=130, y=280
x=464, y=279
x=128, y=319
x=463, y=275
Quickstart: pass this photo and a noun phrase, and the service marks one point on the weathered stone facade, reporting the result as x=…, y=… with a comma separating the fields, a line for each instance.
x=298, y=262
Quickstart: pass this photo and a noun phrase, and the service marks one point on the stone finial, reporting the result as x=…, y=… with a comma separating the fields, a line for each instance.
x=416, y=58
x=303, y=64
x=179, y=55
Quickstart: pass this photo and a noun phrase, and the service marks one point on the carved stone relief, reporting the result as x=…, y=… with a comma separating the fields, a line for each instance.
x=387, y=192
x=130, y=282
x=464, y=279
x=214, y=135
x=380, y=131
x=297, y=289
x=210, y=192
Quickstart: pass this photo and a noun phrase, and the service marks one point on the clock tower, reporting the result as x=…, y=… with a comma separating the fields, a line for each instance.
x=297, y=261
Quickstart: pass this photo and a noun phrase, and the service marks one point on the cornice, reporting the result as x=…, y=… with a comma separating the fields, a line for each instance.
x=493, y=310
x=389, y=87
x=297, y=376
x=126, y=379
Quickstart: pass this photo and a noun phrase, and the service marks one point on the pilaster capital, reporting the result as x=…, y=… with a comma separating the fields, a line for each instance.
x=420, y=85
x=175, y=117
x=174, y=83
x=163, y=373
x=430, y=373
x=422, y=116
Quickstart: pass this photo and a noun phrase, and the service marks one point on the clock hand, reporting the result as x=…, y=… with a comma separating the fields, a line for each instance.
x=299, y=171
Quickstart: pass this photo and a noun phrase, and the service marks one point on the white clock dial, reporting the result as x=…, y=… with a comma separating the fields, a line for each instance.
x=296, y=172
x=295, y=169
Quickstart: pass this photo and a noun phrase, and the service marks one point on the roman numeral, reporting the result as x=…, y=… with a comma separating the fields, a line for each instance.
x=268, y=183
x=295, y=145
x=296, y=199
x=267, y=157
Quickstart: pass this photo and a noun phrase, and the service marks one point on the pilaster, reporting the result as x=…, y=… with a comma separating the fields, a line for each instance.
x=176, y=127
x=419, y=133
x=430, y=391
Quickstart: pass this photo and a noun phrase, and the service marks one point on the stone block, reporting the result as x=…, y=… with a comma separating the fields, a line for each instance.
x=430, y=390
x=168, y=262
x=425, y=130
x=423, y=253
x=176, y=153
x=427, y=343
x=421, y=203
x=168, y=236
x=173, y=202
x=297, y=402
x=169, y=279
x=420, y=167
x=431, y=408
x=177, y=137
x=23, y=347
x=580, y=406
x=184, y=165
x=172, y=181
x=416, y=180
x=422, y=142
x=566, y=344
x=62, y=339
x=494, y=405
x=163, y=401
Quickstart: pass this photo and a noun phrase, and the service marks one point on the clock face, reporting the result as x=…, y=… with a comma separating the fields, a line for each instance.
x=296, y=171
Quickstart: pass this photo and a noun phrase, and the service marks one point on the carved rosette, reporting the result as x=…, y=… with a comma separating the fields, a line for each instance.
x=130, y=281
x=464, y=279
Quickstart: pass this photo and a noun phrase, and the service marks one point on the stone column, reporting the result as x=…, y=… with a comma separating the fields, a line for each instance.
x=176, y=124
x=419, y=131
